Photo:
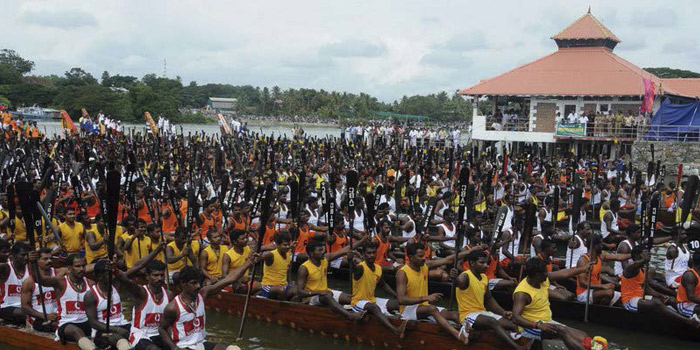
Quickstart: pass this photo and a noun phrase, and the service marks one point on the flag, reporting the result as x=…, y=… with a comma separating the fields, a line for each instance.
x=648, y=102
x=66, y=122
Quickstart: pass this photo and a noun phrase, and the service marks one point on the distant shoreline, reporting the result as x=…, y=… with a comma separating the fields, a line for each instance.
x=255, y=122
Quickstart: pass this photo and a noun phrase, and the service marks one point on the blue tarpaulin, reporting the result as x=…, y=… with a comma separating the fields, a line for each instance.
x=674, y=122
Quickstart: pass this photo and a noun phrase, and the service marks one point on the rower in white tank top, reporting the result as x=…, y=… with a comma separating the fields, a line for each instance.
x=451, y=233
x=581, y=218
x=533, y=253
x=116, y=317
x=49, y=299
x=146, y=318
x=188, y=329
x=12, y=289
x=618, y=264
x=604, y=228
x=572, y=256
x=70, y=303
x=547, y=217
x=358, y=222
x=674, y=268
x=512, y=247
x=412, y=233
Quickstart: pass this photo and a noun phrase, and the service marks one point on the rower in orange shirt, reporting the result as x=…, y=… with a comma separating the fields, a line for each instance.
x=634, y=297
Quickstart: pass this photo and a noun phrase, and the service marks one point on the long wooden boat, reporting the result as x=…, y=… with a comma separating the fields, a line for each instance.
x=29, y=339
x=612, y=316
x=322, y=321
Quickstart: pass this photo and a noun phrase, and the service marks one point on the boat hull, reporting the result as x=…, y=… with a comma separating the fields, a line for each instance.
x=26, y=339
x=322, y=321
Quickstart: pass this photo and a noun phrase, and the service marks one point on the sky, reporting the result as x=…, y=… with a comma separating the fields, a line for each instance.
x=384, y=48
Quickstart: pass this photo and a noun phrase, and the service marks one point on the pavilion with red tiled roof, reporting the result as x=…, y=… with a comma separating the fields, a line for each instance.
x=584, y=76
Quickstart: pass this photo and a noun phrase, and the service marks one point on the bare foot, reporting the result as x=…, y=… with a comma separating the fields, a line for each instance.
x=401, y=331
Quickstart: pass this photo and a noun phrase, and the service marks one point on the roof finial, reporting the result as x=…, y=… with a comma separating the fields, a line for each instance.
x=589, y=8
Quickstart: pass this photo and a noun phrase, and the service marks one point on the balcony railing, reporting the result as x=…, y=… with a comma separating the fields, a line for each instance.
x=507, y=124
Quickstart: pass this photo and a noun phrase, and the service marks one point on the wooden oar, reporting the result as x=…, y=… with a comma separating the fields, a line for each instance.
x=112, y=199
x=351, y=183
x=26, y=195
x=266, y=208
x=464, y=189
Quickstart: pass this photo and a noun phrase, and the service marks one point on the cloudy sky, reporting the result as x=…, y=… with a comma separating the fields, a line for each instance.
x=385, y=48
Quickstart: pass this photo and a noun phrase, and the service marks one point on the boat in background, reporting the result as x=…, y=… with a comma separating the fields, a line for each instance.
x=37, y=113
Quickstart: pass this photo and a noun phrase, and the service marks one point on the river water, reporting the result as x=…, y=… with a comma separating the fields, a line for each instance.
x=260, y=335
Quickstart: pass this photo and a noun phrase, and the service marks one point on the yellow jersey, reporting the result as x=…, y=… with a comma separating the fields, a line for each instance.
x=471, y=299
x=276, y=274
x=235, y=259
x=101, y=252
x=416, y=283
x=317, y=279
x=20, y=229
x=160, y=256
x=214, y=260
x=139, y=249
x=72, y=237
x=363, y=289
x=538, y=309
x=185, y=261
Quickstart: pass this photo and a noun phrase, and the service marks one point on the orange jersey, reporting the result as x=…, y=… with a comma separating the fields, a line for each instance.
x=682, y=293
x=206, y=225
x=632, y=287
x=238, y=225
x=341, y=240
x=305, y=234
x=93, y=209
x=595, y=277
x=493, y=266
x=143, y=212
x=270, y=232
x=170, y=222
x=382, y=258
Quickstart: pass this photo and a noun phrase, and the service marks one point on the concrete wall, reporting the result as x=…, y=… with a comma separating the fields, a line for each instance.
x=670, y=153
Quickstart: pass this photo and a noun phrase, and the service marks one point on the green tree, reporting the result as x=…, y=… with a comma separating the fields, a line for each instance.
x=9, y=75
x=666, y=72
x=79, y=77
x=16, y=61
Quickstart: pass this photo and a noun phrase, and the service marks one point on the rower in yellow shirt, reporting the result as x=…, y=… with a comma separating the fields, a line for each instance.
x=72, y=233
x=235, y=257
x=134, y=243
x=365, y=278
x=312, y=282
x=412, y=290
x=275, y=269
x=211, y=256
x=531, y=310
x=95, y=247
x=182, y=252
x=474, y=297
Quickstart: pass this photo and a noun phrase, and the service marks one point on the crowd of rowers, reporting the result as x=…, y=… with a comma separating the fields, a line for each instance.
x=217, y=253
